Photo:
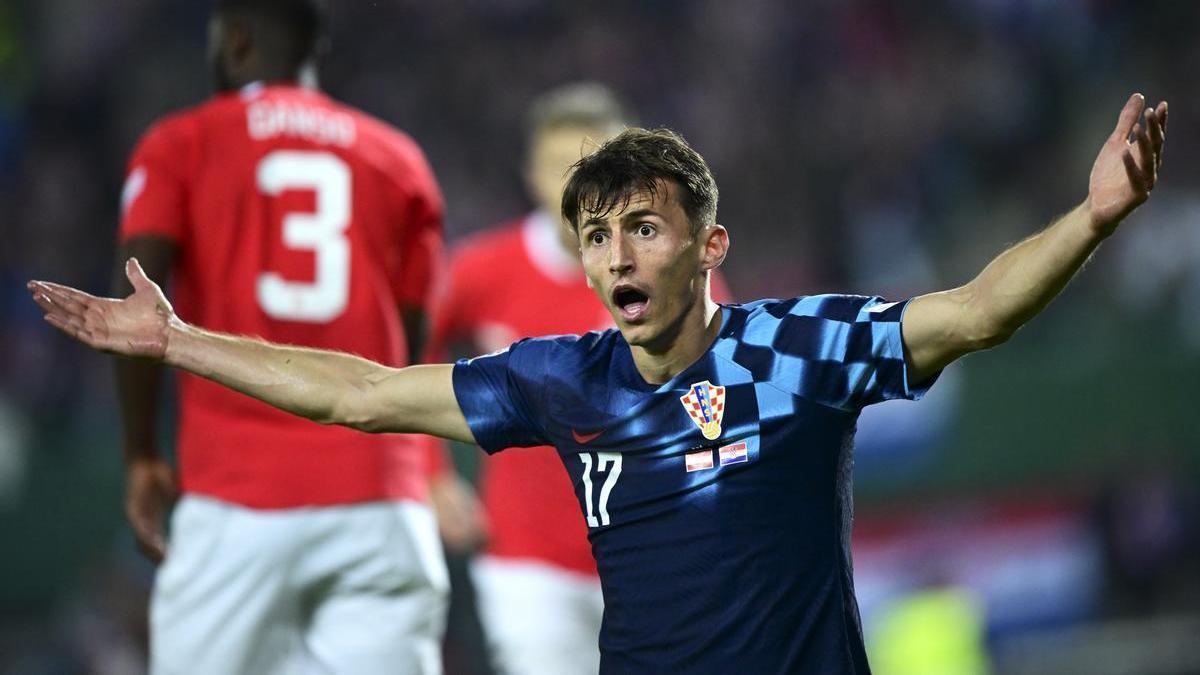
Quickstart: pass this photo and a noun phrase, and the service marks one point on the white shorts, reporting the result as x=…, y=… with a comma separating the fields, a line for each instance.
x=346, y=589
x=539, y=619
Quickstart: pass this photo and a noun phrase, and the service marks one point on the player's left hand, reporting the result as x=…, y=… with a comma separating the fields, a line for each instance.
x=1127, y=167
x=150, y=489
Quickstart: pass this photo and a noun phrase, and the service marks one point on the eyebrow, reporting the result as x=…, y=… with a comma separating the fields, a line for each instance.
x=632, y=215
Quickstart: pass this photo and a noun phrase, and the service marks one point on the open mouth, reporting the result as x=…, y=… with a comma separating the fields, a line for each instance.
x=630, y=302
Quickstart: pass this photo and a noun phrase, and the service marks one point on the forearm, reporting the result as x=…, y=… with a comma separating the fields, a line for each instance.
x=137, y=392
x=323, y=386
x=941, y=327
x=1020, y=282
x=306, y=382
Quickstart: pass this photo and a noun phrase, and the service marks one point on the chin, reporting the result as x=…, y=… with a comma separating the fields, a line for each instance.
x=648, y=337
x=636, y=336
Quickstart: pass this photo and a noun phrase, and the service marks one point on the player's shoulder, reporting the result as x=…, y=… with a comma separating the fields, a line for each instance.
x=568, y=352
x=379, y=135
x=583, y=343
x=174, y=129
x=830, y=306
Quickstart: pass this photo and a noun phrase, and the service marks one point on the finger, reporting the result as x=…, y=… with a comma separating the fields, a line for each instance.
x=66, y=292
x=150, y=543
x=1129, y=116
x=1161, y=116
x=148, y=535
x=1136, y=178
x=46, y=303
x=61, y=315
x=1154, y=127
x=1145, y=153
x=71, y=325
x=58, y=322
x=68, y=302
x=71, y=328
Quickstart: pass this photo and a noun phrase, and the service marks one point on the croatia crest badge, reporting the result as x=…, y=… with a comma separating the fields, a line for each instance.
x=705, y=404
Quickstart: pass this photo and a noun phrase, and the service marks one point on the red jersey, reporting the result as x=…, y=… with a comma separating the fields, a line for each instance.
x=513, y=282
x=297, y=220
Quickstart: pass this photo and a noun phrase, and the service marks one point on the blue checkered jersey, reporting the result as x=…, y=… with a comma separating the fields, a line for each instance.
x=719, y=504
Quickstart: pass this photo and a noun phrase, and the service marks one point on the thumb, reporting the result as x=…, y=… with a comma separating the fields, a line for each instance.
x=136, y=275
x=151, y=541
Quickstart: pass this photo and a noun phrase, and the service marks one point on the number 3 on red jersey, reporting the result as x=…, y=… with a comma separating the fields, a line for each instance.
x=321, y=231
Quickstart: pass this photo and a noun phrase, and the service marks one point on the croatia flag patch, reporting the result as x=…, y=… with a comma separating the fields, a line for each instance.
x=699, y=460
x=734, y=453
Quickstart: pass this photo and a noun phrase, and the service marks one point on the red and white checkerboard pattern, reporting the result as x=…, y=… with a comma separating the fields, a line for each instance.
x=716, y=401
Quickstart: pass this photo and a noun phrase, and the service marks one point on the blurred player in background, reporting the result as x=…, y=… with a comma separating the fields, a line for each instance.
x=538, y=592
x=284, y=214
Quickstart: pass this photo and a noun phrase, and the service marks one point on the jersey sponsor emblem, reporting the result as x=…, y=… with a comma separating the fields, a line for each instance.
x=698, y=460
x=735, y=453
x=584, y=439
x=705, y=404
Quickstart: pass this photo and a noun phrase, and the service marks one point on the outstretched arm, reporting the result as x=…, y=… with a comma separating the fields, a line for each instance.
x=941, y=327
x=327, y=387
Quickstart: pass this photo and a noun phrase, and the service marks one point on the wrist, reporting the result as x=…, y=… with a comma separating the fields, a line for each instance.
x=1100, y=226
x=176, y=335
x=140, y=455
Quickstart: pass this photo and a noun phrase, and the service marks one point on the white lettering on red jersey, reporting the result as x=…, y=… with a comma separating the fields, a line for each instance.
x=302, y=221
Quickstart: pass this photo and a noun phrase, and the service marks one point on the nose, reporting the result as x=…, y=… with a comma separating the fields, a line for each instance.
x=620, y=257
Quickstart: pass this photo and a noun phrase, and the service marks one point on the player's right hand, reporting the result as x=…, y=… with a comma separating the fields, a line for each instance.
x=134, y=326
x=149, y=492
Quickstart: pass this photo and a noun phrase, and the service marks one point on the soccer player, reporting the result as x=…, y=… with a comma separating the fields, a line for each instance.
x=709, y=445
x=539, y=596
x=283, y=214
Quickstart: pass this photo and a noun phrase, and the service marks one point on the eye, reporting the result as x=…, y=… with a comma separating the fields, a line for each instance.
x=597, y=238
x=645, y=230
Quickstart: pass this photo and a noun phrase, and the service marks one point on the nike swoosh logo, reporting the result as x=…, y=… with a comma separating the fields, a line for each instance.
x=584, y=439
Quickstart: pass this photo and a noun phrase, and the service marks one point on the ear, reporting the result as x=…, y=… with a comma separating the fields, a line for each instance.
x=237, y=44
x=714, y=246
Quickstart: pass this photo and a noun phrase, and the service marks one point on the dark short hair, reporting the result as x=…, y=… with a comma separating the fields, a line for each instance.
x=578, y=104
x=636, y=161
x=302, y=20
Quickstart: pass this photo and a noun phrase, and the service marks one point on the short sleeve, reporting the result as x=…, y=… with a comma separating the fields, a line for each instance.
x=421, y=244
x=501, y=395
x=154, y=198
x=845, y=351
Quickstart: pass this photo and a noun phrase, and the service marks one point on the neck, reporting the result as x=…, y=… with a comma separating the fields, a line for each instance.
x=689, y=339
x=305, y=75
